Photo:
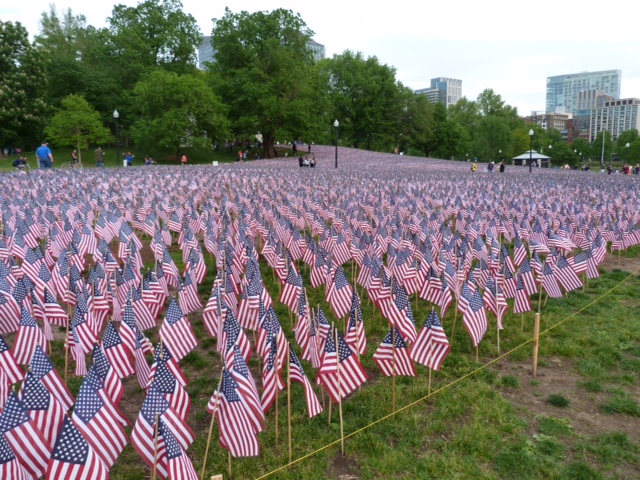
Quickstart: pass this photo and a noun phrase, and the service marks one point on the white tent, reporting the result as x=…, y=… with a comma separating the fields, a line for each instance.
x=537, y=158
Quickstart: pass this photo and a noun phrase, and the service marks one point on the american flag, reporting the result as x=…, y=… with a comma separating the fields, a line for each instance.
x=431, y=346
x=296, y=374
x=108, y=376
x=566, y=275
x=355, y=335
x=156, y=407
x=246, y=387
x=271, y=375
x=27, y=442
x=475, y=318
x=392, y=356
x=29, y=335
x=340, y=371
x=549, y=282
x=9, y=313
x=42, y=368
x=526, y=274
x=292, y=288
x=116, y=351
x=176, y=332
x=8, y=363
x=340, y=293
x=144, y=318
x=236, y=431
x=401, y=315
x=521, y=303
x=173, y=392
x=9, y=465
x=178, y=463
x=142, y=366
x=188, y=294
x=232, y=335
x=73, y=457
x=98, y=420
x=42, y=407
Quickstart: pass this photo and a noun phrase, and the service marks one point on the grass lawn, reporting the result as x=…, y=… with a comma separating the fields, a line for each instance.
x=578, y=419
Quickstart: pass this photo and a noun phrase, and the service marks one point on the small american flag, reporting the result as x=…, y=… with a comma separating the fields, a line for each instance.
x=73, y=457
x=176, y=332
x=116, y=351
x=296, y=374
x=432, y=346
x=392, y=356
x=42, y=368
x=26, y=440
x=178, y=463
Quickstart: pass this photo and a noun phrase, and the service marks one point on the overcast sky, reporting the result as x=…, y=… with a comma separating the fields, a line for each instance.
x=509, y=46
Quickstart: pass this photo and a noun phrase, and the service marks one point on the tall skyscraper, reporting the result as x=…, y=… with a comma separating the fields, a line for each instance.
x=444, y=90
x=563, y=90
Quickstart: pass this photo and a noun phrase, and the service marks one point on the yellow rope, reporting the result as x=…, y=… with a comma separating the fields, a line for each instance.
x=449, y=385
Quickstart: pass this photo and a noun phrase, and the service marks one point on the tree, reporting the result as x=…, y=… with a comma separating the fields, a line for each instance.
x=264, y=73
x=626, y=137
x=584, y=151
x=77, y=124
x=78, y=61
x=493, y=135
x=365, y=97
x=22, y=86
x=177, y=110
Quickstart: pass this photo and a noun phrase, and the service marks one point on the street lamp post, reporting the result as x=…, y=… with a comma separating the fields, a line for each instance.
x=499, y=155
x=530, y=150
x=116, y=115
x=627, y=159
x=336, y=124
x=550, y=147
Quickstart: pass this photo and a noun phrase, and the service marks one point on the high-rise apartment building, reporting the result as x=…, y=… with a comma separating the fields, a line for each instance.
x=444, y=90
x=614, y=116
x=563, y=90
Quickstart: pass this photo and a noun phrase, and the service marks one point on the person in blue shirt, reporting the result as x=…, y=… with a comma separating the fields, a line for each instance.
x=44, y=156
x=129, y=158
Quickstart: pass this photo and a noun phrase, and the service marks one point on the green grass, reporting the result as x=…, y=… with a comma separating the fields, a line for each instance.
x=558, y=400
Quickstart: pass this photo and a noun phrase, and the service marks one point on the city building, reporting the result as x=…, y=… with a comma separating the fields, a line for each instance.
x=563, y=90
x=444, y=90
x=317, y=49
x=587, y=100
x=557, y=121
x=206, y=53
x=614, y=116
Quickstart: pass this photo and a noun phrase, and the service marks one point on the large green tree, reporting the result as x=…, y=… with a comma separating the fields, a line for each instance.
x=78, y=61
x=265, y=74
x=177, y=110
x=77, y=124
x=23, y=83
x=626, y=138
x=366, y=98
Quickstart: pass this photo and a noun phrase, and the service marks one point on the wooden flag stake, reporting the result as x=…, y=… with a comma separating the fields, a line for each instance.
x=213, y=417
x=536, y=343
x=339, y=395
x=289, y=405
x=155, y=447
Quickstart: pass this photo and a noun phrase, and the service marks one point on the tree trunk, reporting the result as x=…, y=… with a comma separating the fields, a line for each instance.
x=269, y=150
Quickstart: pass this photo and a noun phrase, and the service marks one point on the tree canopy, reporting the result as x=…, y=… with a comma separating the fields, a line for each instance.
x=77, y=124
x=176, y=110
x=264, y=73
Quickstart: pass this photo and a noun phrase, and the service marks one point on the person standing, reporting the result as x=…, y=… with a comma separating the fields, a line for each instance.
x=74, y=158
x=183, y=159
x=44, y=155
x=501, y=166
x=99, y=157
x=474, y=167
x=129, y=158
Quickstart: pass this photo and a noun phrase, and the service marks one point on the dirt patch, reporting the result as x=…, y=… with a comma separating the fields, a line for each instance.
x=626, y=264
x=559, y=377
x=343, y=468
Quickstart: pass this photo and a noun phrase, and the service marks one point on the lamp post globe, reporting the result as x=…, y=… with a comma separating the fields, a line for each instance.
x=627, y=147
x=550, y=147
x=336, y=124
x=530, y=150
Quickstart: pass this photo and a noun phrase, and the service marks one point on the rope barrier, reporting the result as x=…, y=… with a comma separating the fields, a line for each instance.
x=449, y=385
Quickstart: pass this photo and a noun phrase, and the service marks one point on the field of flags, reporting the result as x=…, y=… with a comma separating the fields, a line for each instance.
x=110, y=260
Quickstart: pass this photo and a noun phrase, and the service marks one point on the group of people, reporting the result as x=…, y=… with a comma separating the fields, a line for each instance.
x=490, y=166
x=307, y=162
x=625, y=170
